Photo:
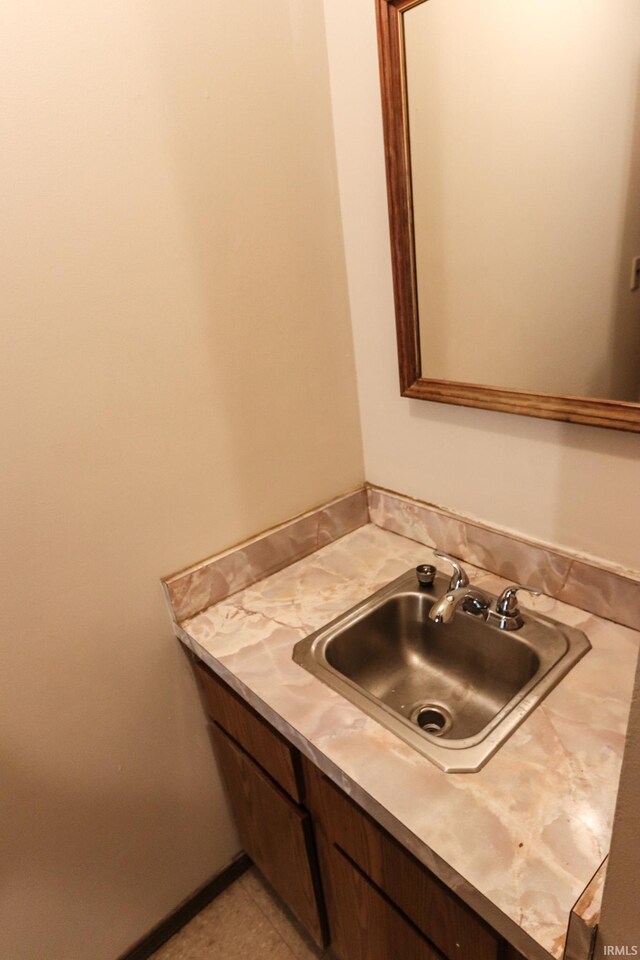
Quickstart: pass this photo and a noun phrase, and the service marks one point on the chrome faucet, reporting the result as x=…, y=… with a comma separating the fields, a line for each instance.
x=458, y=578
x=505, y=613
x=469, y=598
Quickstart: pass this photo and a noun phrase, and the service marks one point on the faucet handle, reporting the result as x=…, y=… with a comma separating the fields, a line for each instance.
x=459, y=578
x=507, y=606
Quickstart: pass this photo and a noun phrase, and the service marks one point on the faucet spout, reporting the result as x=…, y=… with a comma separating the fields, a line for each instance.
x=469, y=598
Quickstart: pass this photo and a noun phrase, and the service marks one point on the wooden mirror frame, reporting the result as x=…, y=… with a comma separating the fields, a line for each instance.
x=615, y=414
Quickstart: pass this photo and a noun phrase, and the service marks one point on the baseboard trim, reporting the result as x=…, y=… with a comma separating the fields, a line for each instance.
x=145, y=947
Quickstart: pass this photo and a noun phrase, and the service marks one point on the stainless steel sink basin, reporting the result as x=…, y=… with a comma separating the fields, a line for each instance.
x=454, y=692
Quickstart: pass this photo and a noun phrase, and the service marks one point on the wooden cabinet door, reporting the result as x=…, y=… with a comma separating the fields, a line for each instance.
x=364, y=924
x=443, y=920
x=275, y=832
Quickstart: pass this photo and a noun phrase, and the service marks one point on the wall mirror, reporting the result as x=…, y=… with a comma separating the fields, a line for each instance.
x=512, y=138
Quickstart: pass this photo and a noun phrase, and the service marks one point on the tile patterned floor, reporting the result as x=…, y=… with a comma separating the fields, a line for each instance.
x=245, y=921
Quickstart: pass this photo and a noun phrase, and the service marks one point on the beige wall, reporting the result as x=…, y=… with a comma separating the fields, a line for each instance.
x=620, y=918
x=525, y=146
x=570, y=485
x=177, y=375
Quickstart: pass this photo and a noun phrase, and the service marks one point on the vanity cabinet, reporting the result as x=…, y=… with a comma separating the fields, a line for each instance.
x=346, y=879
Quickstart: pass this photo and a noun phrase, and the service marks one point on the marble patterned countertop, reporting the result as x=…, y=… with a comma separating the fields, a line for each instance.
x=520, y=839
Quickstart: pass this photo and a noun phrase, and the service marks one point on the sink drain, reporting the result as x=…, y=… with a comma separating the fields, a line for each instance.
x=431, y=718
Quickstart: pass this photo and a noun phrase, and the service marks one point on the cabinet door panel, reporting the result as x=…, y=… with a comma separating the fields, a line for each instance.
x=254, y=734
x=448, y=923
x=364, y=925
x=275, y=832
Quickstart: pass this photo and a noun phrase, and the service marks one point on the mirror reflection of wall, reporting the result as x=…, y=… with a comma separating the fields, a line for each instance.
x=524, y=122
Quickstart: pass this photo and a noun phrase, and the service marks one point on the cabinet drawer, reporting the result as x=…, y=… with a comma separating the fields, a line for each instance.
x=364, y=925
x=275, y=832
x=447, y=922
x=254, y=734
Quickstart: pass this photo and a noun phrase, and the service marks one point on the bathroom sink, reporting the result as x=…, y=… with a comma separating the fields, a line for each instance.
x=454, y=692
